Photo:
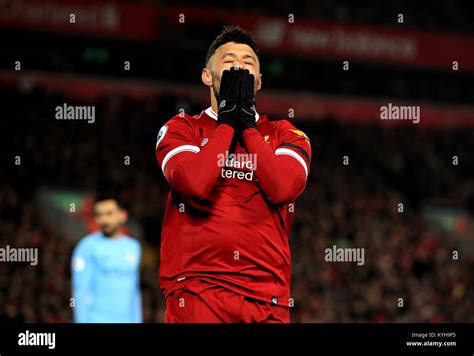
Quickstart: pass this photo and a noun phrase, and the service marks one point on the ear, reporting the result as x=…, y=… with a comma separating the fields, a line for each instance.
x=206, y=77
x=259, y=83
x=123, y=216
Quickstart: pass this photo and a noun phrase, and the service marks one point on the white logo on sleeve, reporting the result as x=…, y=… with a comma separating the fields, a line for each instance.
x=78, y=264
x=161, y=134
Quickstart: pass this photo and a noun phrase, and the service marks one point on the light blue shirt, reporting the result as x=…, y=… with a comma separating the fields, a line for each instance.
x=106, y=280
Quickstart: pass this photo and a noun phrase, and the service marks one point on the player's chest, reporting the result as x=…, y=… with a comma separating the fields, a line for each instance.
x=116, y=260
x=204, y=130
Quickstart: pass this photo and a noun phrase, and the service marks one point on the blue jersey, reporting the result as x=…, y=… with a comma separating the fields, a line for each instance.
x=106, y=280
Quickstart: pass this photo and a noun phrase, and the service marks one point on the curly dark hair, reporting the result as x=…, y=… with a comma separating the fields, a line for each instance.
x=232, y=34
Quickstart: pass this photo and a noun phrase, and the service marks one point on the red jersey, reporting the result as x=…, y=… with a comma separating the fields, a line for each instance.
x=230, y=209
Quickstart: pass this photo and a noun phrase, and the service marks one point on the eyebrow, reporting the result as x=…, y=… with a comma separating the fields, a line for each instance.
x=246, y=56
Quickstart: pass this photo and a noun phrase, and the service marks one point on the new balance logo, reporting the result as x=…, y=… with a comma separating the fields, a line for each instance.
x=222, y=104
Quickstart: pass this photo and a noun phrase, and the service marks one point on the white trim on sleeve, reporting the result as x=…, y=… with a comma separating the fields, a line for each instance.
x=175, y=151
x=287, y=151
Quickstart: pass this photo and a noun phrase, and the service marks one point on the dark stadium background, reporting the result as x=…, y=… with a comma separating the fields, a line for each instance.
x=408, y=254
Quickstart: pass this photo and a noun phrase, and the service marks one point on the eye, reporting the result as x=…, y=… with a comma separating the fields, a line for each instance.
x=249, y=63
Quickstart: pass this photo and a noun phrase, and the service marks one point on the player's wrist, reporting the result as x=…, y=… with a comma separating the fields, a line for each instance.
x=249, y=123
x=227, y=125
x=250, y=131
x=227, y=129
x=231, y=122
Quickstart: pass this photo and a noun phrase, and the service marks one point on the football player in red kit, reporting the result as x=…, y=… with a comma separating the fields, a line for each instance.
x=234, y=177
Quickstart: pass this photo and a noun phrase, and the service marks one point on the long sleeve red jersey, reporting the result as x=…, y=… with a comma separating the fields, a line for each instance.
x=230, y=209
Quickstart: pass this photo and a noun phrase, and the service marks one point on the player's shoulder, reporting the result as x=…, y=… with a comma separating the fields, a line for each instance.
x=180, y=123
x=87, y=241
x=288, y=132
x=131, y=241
x=91, y=238
x=184, y=118
x=284, y=127
x=281, y=125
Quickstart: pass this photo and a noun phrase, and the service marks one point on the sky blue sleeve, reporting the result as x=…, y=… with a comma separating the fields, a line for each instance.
x=137, y=314
x=82, y=271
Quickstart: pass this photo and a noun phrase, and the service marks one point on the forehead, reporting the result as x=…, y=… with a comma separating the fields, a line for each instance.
x=106, y=204
x=238, y=49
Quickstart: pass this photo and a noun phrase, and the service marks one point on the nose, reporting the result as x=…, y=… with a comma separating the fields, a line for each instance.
x=237, y=65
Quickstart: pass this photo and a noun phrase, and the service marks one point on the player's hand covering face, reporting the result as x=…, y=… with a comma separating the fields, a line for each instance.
x=236, y=102
x=232, y=55
x=228, y=99
x=247, y=101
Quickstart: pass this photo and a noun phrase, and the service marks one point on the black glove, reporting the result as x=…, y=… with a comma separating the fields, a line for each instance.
x=247, y=101
x=228, y=101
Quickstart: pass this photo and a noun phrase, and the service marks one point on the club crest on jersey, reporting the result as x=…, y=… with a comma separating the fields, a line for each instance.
x=161, y=134
x=301, y=133
x=222, y=104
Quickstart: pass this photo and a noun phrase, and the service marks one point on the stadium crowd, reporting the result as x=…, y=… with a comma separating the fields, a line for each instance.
x=442, y=15
x=353, y=205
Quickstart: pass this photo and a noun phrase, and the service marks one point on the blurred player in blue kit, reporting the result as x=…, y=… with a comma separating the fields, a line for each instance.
x=106, y=270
